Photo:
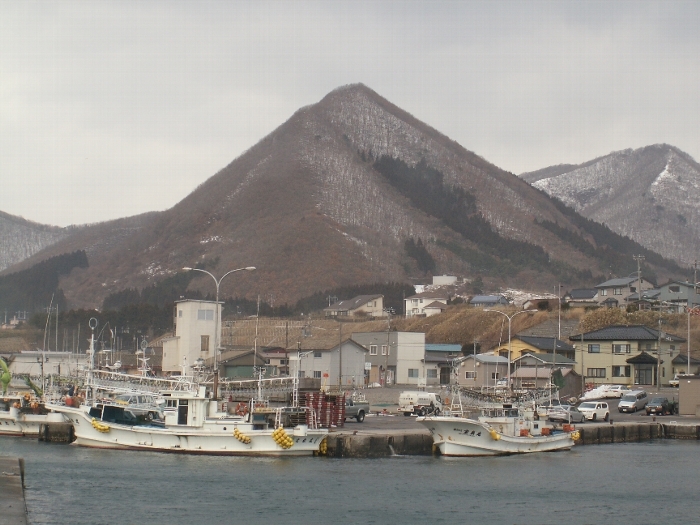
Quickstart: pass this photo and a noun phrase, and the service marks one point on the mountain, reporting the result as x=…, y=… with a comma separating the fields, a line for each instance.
x=20, y=238
x=349, y=190
x=649, y=195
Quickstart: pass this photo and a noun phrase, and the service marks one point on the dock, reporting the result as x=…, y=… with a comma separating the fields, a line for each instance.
x=13, y=508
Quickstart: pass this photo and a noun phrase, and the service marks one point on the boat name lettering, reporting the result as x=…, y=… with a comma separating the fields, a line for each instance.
x=467, y=432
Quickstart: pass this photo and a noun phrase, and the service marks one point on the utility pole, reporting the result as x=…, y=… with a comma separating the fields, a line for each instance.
x=639, y=259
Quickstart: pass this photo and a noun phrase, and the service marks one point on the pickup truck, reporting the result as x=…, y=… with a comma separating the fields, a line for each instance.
x=356, y=407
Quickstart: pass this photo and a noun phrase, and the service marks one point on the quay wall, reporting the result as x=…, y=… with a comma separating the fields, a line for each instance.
x=13, y=508
x=376, y=445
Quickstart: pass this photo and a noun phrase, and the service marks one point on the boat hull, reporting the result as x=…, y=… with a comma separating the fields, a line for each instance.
x=215, y=437
x=16, y=423
x=456, y=436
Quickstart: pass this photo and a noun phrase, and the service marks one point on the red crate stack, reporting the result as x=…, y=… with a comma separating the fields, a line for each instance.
x=329, y=408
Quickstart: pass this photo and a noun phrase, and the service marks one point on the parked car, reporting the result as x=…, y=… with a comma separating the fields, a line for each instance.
x=635, y=400
x=595, y=410
x=658, y=405
x=616, y=391
x=674, y=382
x=567, y=414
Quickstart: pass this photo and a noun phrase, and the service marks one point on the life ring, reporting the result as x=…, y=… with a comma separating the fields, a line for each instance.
x=242, y=409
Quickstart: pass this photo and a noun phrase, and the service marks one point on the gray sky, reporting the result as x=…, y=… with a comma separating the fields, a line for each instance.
x=109, y=109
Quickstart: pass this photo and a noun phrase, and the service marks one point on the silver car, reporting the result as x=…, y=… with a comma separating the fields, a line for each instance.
x=566, y=414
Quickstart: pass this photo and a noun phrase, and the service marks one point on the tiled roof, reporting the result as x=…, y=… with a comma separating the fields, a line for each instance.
x=443, y=347
x=621, y=281
x=545, y=343
x=352, y=304
x=625, y=333
x=583, y=293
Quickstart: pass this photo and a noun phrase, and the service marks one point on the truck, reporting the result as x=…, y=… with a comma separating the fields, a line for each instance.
x=420, y=403
x=356, y=406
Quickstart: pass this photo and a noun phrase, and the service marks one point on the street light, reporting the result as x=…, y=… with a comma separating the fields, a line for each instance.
x=216, y=319
x=510, y=318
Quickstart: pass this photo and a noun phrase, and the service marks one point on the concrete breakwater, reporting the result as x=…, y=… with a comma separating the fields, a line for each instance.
x=13, y=509
x=385, y=444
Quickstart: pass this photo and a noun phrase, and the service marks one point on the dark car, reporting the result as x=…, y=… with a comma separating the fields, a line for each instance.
x=658, y=405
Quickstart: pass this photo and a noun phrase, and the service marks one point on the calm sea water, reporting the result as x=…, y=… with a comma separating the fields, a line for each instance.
x=622, y=483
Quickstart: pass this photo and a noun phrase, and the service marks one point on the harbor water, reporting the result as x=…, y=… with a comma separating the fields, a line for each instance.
x=631, y=482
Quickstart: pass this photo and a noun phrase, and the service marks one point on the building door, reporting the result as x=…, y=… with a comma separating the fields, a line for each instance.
x=644, y=375
x=445, y=375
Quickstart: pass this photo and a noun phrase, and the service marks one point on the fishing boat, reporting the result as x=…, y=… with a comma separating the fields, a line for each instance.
x=496, y=431
x=23, y=415
x=193, y=419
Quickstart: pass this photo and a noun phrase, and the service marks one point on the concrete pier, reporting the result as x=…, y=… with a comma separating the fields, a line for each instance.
x=13, y=509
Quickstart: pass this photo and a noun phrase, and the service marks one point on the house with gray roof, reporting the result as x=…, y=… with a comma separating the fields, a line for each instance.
x=615, y=292
x=360, y=306
x=423, y=304
x=488, y=301
x=581, y=298
x=631, y=355
x=480, y=371
x=438, y=362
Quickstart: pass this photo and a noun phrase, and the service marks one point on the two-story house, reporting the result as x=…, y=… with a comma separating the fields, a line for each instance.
x=360, y=306
x=525, y=344
x=394, y=357
x=345, y=364
x=679, y=294
x=481, y=371
x=439, y=358
x=626, y=355
x=196, y=326
x=615, y=292
x=423, y=304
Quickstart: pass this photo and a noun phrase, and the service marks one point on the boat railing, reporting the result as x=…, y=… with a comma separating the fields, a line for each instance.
x=129, y=383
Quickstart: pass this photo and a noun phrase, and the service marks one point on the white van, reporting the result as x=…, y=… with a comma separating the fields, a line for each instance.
x=635, y=400
x=420, y=403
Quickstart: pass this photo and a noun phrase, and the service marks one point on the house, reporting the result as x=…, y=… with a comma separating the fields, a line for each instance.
x=614, y=292
x=679, y=294
x=394, y=357
x=345, y=364
x=581, y=298
x=626, y=355
x=243, y=364
x=480, y=371
x=444, y=280
x=488, y=301
x=438, y=362
x=682, y=364
x=434, y=308
x=541, y=303
x=360, y=306
x=525, y=344
x=196, y=326
x=535, y=371
x=415, y=305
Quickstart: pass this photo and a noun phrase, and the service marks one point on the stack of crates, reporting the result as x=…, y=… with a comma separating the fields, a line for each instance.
x=329, y=408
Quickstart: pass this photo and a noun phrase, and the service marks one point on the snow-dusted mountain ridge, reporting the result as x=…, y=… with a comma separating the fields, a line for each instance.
x=649, y=194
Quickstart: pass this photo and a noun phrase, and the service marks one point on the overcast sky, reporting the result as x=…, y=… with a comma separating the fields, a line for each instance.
x=110, y=109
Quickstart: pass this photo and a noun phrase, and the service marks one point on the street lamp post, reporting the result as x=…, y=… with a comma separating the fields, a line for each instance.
x=510, y=318
x=218, y=307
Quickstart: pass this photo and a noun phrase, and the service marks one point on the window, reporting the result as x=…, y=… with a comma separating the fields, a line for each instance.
x=603, y=292
x=302, y=374
x=205, y=315
x=412, y=372
x=674, y=289
x=205, y=343
x=317, y=374
x=385, y=350
x=648, y=347
x=317, y=355
x=414, y=301
x=431, y=373
x=621, y=371
x=621, y=349
x=495, y=375
x=595, y=372
x=470, y=375
x=617, y=291
x=179, y=313
x=672, y=348
x=594, y=349
x=372, y=349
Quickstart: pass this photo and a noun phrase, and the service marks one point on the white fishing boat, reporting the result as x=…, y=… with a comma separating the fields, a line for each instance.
x=23, y=415
x=194, y=424
x=498, y=430
x=194, y=421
